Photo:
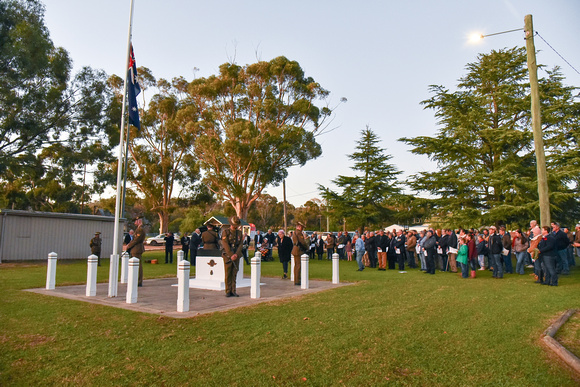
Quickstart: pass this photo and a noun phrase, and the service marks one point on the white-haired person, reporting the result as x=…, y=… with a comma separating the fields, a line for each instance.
x=285, y=245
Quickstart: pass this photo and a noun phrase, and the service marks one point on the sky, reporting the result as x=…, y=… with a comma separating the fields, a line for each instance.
x=381, y=56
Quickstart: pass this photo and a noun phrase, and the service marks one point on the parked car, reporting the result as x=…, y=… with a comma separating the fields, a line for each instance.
x=159, y=240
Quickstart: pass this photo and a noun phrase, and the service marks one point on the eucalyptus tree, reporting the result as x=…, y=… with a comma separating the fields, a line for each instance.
x=256, y=121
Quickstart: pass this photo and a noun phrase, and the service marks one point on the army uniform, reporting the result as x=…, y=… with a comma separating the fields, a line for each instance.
x=300, y=247
x=137, y=248
x=232, y=244
x=96, y=246
x=210, y=240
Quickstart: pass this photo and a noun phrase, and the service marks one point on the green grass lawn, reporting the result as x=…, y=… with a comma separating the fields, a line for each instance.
x=389, y=328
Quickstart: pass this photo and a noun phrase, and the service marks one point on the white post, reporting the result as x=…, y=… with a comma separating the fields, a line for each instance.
x=124, y=267
x=51, y=271
x=304, y=271
x=91, y=290
x=292, y=268
x=182, y=284
x=114, y=275
x=256, y=274
x=179, y=259
x=133, y=279
x=335, y=268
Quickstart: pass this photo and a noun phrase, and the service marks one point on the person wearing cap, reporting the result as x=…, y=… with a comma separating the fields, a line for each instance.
x=232, y=244
x=210, y=238
x=96, y=246
x=300, y=247
x=136, y=248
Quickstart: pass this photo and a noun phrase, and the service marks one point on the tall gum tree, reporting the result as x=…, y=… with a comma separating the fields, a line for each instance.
x=256, y=121
x=161, y=153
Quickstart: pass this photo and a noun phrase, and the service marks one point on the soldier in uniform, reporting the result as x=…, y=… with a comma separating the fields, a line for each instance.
x=96, y=246
x=136, y=247
x=210, y=238
x=300, y=247
x=232, y=243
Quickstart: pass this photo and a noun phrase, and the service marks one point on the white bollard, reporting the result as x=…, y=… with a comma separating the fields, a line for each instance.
x=124, y=267
x=51, y=271
x=133, y=280
x=292, y=268
x=182, y=284
x=335, y=268
x=256, y=263
x=114, y=275
x=304, y=271
x=92, y=262
x=179, y=259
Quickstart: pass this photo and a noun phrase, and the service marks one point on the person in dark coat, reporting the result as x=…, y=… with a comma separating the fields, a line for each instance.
x=185, y=245
x=549, y=255
x=430, y=245
x=96, y=246
x=320, y=247
x=371, y=249
x=391, y=255
x=285, y=246
x=194, y=243
x=245, y=246
x=400, y=249
x=169, y=240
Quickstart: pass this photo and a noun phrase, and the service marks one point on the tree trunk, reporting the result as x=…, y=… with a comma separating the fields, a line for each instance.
x=163, y=221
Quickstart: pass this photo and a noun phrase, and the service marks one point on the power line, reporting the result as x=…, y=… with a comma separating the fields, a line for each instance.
x=557, y=52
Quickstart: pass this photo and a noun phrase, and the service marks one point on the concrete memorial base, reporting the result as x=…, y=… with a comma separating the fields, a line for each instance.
x=210, y=275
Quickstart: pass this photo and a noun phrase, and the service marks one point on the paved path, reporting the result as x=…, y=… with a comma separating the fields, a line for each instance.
x=158, y=296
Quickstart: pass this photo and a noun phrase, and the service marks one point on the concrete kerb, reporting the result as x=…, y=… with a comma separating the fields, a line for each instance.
x=548, y=338
x=158, y=296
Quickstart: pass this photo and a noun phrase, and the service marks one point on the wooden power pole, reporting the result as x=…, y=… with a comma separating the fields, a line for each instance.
x=537, y=124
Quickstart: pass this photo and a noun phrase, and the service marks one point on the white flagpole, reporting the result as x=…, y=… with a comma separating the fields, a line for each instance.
x=114, y=268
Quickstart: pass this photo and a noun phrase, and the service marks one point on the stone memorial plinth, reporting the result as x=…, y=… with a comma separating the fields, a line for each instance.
x=209, y=272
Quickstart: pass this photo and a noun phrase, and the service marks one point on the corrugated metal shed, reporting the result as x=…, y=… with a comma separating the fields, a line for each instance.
x=29, y=235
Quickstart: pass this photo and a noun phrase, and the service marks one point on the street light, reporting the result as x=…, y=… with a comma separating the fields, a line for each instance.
x=543, y=195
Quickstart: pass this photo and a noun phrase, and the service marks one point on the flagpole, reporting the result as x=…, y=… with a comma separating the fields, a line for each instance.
x=114, y=268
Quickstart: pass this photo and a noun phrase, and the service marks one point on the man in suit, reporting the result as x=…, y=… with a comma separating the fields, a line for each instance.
x=96, y=246
x=232, y=244
x=169, y=240
x=410, y=247
x=400, y=250
x=382, y=245
x=136, y=247
x=185, y=245
x=371, y=249
x=258, y=240
x=300, y=247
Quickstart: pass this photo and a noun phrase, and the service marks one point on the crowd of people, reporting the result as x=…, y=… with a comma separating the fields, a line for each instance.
x=548, y=250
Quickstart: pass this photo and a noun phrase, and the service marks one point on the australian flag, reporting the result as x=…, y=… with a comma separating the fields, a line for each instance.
x=134, y=91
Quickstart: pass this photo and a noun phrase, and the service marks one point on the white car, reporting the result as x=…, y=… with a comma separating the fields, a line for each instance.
x=159, y=240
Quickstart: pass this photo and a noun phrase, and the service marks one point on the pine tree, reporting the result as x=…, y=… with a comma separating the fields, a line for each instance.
x=364, y=197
